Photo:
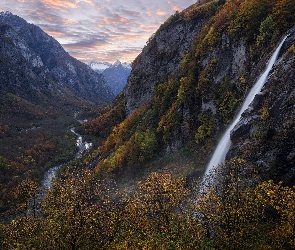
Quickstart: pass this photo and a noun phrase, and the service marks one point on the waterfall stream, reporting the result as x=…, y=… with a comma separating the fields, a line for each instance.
x=224, y=144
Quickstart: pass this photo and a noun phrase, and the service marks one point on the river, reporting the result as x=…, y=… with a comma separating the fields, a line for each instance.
x=51, y=173
x=48, y=179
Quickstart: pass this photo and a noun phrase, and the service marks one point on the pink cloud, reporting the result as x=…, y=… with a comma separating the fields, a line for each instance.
x=60, y=4
x=106, y=54
x=54, y=33
x=174, y=7
x=161, y=13
x=114, y=20
x=102, y=29
x=148, y=13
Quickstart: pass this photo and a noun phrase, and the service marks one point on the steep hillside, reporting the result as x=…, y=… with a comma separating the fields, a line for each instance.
x=161, y=58
x=167, y=121
x=188, y=83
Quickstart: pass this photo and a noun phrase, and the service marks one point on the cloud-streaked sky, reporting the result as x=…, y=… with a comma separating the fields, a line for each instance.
x=97, y=30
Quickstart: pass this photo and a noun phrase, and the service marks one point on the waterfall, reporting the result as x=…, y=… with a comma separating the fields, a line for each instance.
x=225, y=142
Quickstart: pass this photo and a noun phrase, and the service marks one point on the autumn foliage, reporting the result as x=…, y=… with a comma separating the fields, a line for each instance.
x=230, y=209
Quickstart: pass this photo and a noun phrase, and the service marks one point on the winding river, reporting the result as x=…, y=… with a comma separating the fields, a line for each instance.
x=51, y=173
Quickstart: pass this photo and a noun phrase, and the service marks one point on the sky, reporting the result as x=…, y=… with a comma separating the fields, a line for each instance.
x=97, y=30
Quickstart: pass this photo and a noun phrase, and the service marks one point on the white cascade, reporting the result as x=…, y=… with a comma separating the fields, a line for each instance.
x=224, y=144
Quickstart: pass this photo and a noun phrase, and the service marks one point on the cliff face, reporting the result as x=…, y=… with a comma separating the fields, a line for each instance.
x=266, y=132
x=160, y=58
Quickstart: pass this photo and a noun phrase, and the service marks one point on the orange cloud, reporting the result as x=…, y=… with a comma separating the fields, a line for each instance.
x=114, y=20
x=161, y=13
x=55, y=33
x=106, y=55
x=60, y=4
x=100, y=26
x=174, y=7
x=148, y=13
x=70, y=21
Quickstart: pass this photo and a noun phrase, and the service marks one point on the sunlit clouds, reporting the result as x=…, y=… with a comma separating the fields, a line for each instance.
x=97, y=30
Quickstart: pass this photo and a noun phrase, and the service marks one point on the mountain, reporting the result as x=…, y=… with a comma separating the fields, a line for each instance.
x=45, y=65
x=187, y=85
x=99, y=67
x=116, y=74
x=268, y=126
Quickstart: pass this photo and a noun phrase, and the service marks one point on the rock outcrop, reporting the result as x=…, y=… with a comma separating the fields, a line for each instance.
x=191, y=78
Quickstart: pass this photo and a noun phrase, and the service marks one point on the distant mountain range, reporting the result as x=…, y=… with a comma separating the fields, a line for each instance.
x=116, y=75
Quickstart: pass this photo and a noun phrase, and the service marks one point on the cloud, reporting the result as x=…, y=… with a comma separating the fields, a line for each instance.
x=86, y=1
x=174, y=7
x=148, y=13
x=161, y=13
x=55, y=33
x=87, y=43
x=107, y=55
x=60, y=4
x=102, y=30
x=114, y=20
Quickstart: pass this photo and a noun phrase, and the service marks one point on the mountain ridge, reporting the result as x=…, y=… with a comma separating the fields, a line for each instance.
x=42, y=90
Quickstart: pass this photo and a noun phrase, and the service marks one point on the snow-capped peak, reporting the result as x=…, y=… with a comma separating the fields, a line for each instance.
x=102, y=66
x=99, y=66
x=6, y=13
x=117, y=63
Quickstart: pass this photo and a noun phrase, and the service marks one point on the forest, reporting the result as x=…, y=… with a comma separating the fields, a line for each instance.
x=160, y=212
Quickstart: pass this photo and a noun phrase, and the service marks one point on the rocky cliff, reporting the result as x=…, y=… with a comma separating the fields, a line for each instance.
x=265, y=135
x=161, y=57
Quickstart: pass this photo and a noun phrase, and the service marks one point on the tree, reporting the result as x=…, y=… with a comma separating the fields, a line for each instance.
x=77, y=213
x=267, y=32
x=24, y=194
x=224, y=206
x=238, y=211
x=158, y=215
